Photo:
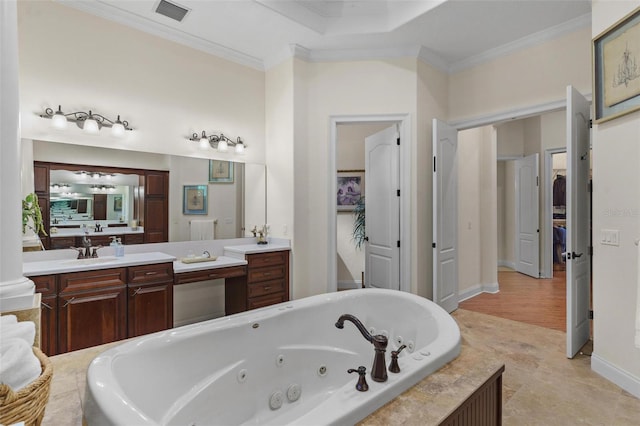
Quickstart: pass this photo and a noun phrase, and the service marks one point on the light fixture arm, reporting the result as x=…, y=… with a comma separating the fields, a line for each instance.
x=79, y=117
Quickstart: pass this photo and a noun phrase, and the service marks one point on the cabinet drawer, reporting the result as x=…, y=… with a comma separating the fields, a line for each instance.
x=91, y=280
x=267, y=287
x=211, y=274
x=266, y=259
x=266, y=274
x=149, y=274
x=62, y=242
x=96, y=240
x=45, y=284
x=133, y=239
x=259, y=302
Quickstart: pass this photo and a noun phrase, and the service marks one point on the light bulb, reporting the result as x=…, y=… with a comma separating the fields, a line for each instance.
x=239, y=146
x=223, y=146
x=59, y=121
x=117, y=129
x=91, y=126
x=204, y=141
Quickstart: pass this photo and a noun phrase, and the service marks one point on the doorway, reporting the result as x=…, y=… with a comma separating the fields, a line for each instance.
x=343, y=241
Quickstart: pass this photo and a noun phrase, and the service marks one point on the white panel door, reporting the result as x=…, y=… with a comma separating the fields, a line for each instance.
x=445, y=215
x=578, y=227
x=382, y=249
x=527, y=216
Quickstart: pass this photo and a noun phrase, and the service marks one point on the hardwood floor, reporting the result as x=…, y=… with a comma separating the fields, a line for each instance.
x=521, y=298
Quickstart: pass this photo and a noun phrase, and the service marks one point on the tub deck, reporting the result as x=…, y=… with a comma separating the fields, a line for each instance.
x=424, y=403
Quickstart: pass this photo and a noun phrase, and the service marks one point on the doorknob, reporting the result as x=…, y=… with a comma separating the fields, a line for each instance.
x=366, y=238
x=575, y=255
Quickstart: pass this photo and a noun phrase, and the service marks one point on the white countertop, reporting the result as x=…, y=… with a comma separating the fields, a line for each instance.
x=79, y=232
x=241, y=250
x=220, y=262
x=61, y=266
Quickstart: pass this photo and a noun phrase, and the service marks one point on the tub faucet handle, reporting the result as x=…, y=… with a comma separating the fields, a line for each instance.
x=362, y=385
x=394, y=367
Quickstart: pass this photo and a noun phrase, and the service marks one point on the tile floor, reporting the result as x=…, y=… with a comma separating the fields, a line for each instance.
x=540, y=385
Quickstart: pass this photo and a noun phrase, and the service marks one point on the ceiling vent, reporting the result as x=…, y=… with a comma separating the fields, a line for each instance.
x=172, y=10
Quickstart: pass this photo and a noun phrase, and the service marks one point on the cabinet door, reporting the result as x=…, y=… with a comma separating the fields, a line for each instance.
x=91, y=318
x=40, y=178
x=99, y=207
x=150, y=308
x=49, y=325
x=46, y=285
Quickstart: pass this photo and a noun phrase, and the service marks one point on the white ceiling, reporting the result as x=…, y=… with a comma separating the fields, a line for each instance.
x=450, y=34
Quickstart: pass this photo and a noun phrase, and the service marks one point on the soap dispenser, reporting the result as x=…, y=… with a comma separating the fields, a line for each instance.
x=119, y=248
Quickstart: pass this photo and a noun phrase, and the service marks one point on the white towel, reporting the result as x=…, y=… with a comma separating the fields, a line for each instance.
x=25, y=330
x=638, y=300
x=7, y=319
x=202, y=229
x=18, y=364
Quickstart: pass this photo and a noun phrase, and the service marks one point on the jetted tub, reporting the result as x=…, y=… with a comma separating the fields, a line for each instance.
x=284, y=364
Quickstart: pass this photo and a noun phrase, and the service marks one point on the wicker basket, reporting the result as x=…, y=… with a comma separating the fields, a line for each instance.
x=28, y=404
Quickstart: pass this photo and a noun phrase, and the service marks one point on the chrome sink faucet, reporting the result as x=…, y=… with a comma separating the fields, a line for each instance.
x=379, y=368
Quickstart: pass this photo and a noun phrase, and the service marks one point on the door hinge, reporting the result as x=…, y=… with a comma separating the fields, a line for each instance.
x=590, y=123
x=398, y=141
x=590, y=314
x=590, y=186
x=590, y=250
x=398, y=192
x=433, y=245
x=537, y=181
x=398, y=243
x=434, y=164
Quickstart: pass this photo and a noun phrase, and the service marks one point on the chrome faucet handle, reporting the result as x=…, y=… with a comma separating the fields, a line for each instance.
x=206, y=254
x=94, y=253
x=394, y=367
x=362, y=385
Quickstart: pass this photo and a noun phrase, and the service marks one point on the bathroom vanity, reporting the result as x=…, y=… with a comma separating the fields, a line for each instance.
x=89, y=302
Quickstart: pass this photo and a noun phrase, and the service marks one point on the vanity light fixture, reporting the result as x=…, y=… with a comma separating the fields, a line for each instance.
x=220, y=143
x=88, y=121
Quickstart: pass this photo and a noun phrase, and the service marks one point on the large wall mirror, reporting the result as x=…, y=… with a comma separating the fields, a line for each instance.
x=85, y=194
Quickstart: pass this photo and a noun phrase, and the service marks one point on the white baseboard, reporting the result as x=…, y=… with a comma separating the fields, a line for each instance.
x=616, y=375
x=477, y=289
x=348, y=285
x=507, y=263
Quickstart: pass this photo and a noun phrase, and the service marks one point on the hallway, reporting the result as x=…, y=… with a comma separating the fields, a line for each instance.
x=540, y=302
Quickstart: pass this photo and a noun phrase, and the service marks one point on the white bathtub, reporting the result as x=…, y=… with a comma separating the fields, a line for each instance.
x=226, y=371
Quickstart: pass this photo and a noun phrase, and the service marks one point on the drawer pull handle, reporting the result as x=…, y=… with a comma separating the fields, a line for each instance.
x=266, y=274
x=46, y=306
x=69, y=301
x=266, y=287
x=151, y=273
x=136, y=292
x=213, y=276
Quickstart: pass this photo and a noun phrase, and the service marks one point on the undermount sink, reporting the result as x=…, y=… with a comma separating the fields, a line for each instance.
x=90, y=261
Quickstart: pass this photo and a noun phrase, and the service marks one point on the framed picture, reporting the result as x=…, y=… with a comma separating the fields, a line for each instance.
x=194, y=199
x=350, y=189
x=616, y=76
x=117, y=203
x=220, y=171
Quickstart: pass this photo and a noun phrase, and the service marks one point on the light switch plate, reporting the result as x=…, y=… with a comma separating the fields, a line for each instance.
x=610, y=237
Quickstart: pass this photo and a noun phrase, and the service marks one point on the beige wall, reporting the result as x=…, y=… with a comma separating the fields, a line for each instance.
x=532, y=76
x=616, y=205
x=165, y=90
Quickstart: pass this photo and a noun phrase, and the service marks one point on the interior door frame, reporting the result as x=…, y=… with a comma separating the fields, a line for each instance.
x=404, y=129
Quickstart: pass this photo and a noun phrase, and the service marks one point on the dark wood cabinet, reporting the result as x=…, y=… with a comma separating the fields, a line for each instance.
x=91, y=308
x=156, y=206
x=267, y=283
x=150, y=294
x=133, y=239
x=40, y=178
x=99, y=207
x=46, y=285
x=63, y=242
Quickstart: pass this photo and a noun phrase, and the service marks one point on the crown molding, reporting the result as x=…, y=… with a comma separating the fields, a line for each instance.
x=523, y=43
x=140, y=23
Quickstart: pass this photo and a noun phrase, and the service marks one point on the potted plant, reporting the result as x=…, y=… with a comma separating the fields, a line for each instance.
x=32, y=215
x=359, y=232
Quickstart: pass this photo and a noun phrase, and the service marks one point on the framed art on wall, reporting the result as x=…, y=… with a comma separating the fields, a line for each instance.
x=616, y=73
x=220, y=171
x=350, y=189
x=194, y=200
